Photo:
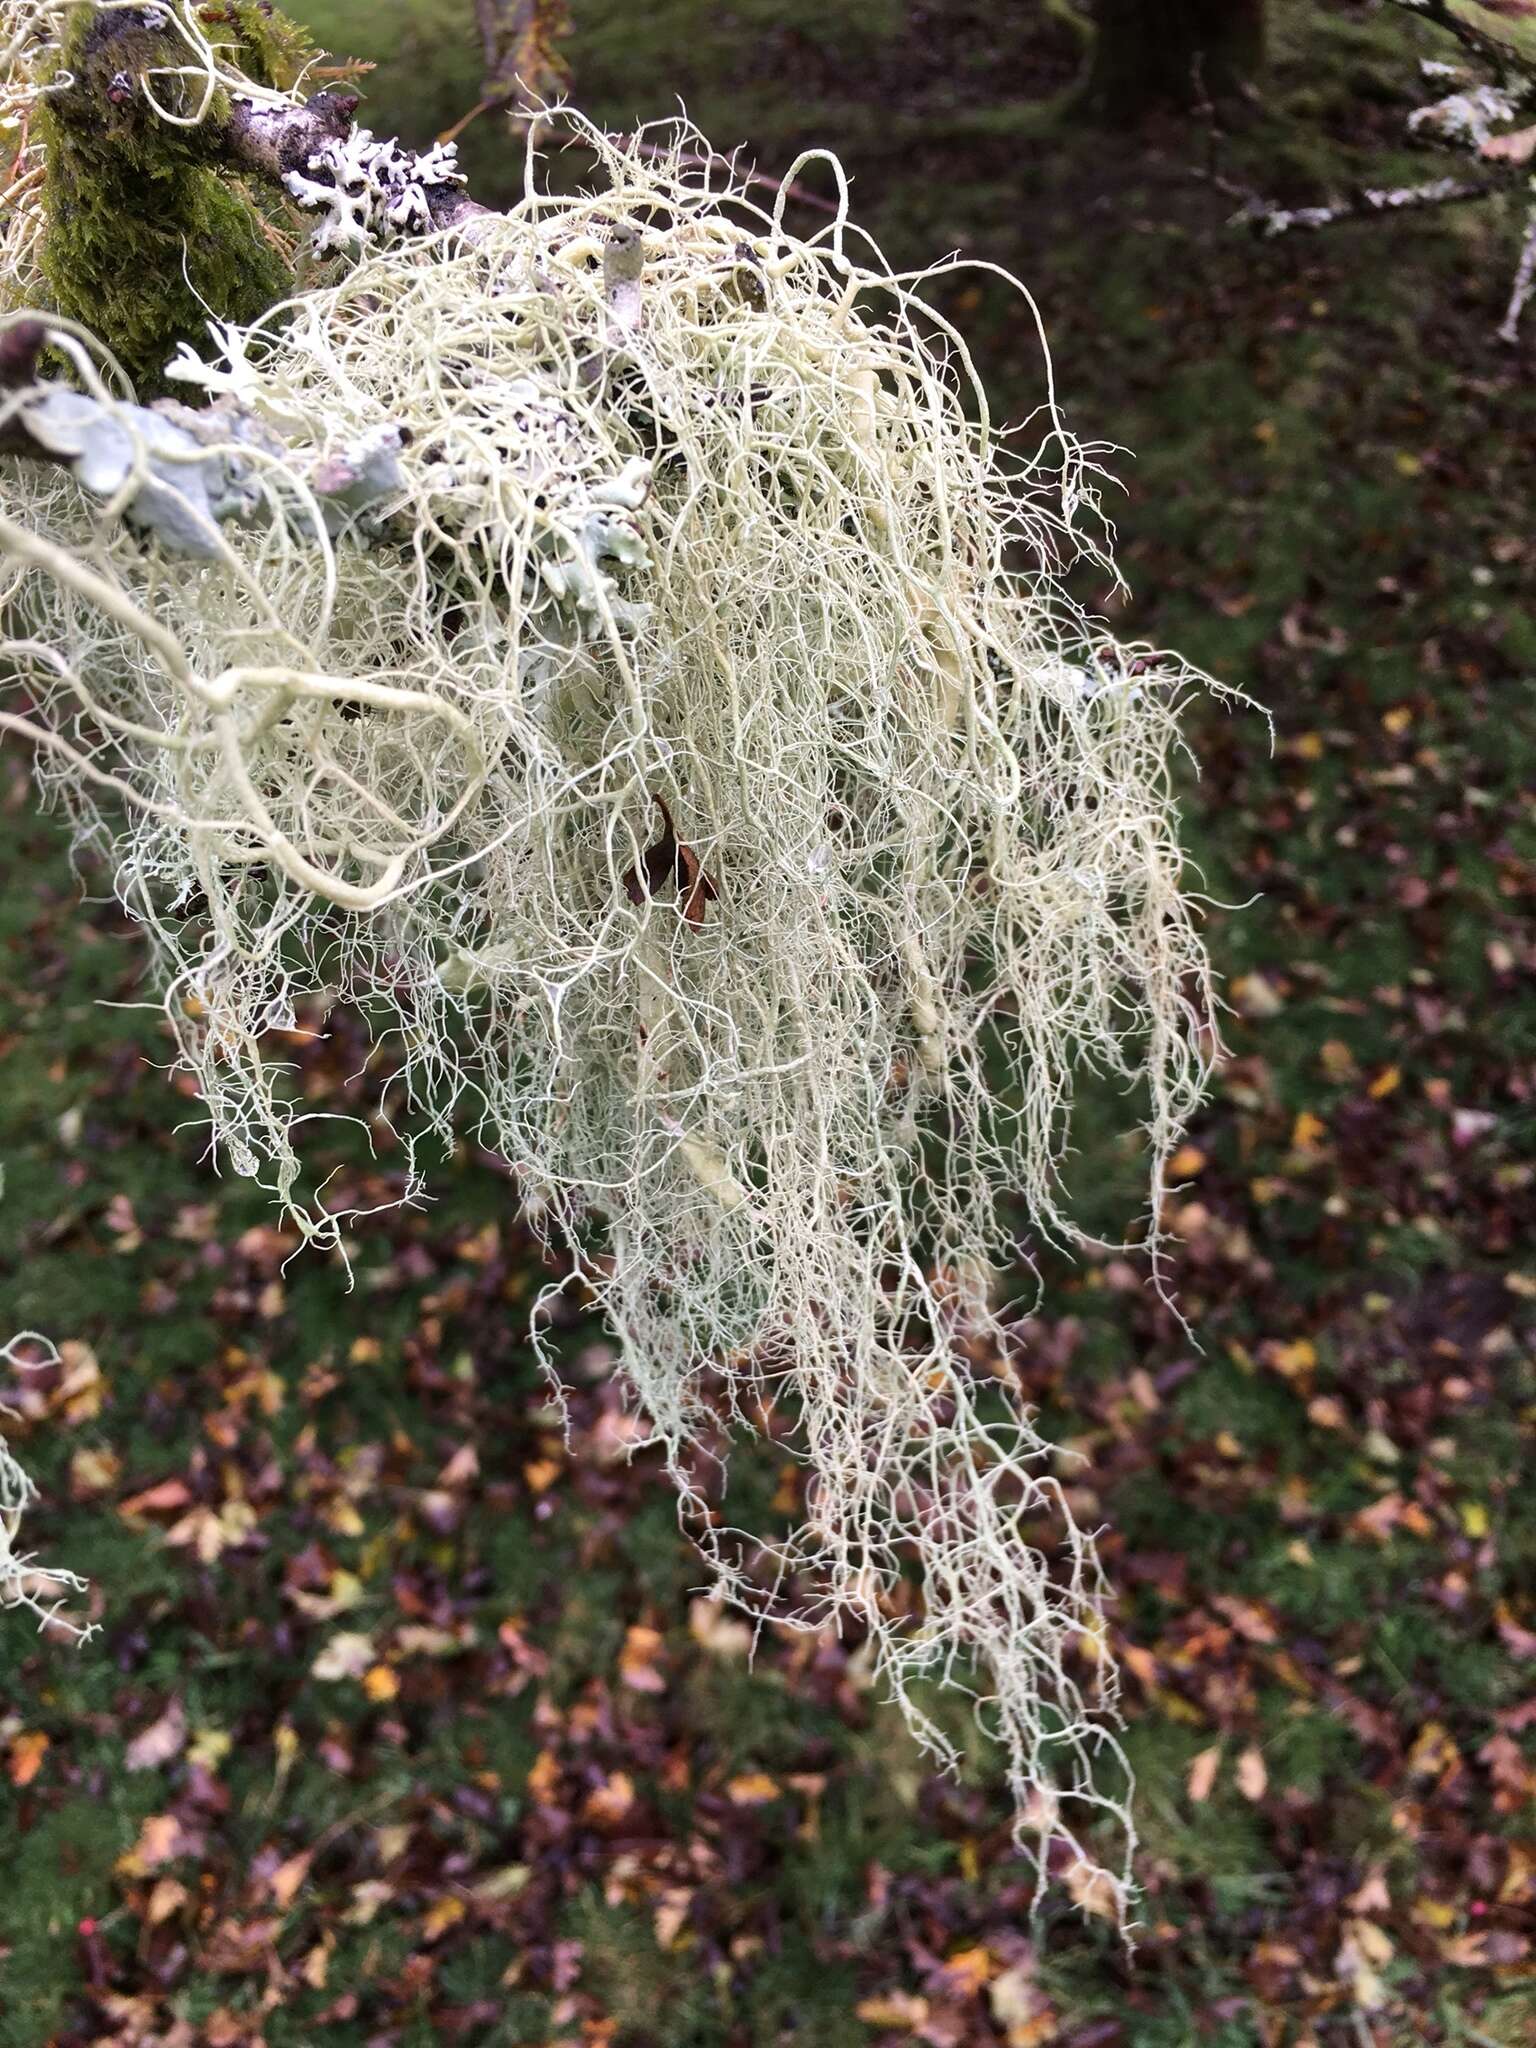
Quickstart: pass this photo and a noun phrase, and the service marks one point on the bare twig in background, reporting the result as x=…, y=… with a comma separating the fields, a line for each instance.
x=1471, y=115
x=1372, y=200
x=524, y=69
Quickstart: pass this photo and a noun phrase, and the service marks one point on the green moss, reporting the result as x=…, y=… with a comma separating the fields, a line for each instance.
x=272, y=49
x=146, y=240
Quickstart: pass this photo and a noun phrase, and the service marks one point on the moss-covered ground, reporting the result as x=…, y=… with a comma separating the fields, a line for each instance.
x=406, y=1725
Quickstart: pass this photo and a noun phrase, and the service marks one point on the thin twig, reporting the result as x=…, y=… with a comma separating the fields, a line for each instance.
x=1269, y=220
x=1489, y=49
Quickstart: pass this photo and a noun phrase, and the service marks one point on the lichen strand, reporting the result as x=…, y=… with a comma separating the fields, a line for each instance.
x=146, y=241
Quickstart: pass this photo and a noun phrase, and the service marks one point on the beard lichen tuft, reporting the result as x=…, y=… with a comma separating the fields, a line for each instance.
x=698, y=771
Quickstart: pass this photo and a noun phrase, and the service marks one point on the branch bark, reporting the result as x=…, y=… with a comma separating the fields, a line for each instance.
x=177, y=472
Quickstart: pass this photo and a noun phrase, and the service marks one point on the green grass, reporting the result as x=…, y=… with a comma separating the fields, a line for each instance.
x=1328, y=507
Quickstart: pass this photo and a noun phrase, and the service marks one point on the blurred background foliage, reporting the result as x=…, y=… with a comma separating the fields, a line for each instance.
x=406, y=1724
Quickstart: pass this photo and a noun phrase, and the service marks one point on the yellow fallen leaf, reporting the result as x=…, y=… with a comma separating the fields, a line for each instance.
x=288, y=1876
x=1202, y=1774
x=445, y=1913
x=166, y=1897
x=893, y=2009
x=1474, y=1519
x=315, y=1967
x=1306, y=1131
x=1373, y=1942
x=347, y=1655
x=92, y=1472
x=1433, y=1752
x=1093, y=1891
x=670, y=1917
x=1252, y=1777
x=1256, y=997
x=720, y=1632
x=1389, y=1079
x=752, y=1788
x=1021, y=2009
x=1336, y=1059
x=1292, y=1361
x=1520, y=1875
x=159, y=1840
x=209, y=1747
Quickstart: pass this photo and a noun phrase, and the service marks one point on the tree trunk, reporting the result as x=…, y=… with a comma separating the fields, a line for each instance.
x=1160, y=53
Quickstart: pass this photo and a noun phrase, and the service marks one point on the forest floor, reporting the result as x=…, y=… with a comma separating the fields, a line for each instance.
x=407, y=1723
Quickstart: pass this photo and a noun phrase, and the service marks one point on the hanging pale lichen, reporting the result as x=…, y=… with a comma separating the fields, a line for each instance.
x=40, y=1589
x=614, y=650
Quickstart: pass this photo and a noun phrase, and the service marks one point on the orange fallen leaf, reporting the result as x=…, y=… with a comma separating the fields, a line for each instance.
x=26, y=1757
x=544, y=1778
x=610, y=1802
x=638, y=1659
x=163, y=1499
x=440, y=1916
x=1021, y=2008
x=968, y=1970
x=380, y=1683
x=1293, y=1361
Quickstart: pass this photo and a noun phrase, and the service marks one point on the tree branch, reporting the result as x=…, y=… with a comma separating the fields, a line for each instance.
x=1269, y=220
x=1501, y=57
x=177, y=473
